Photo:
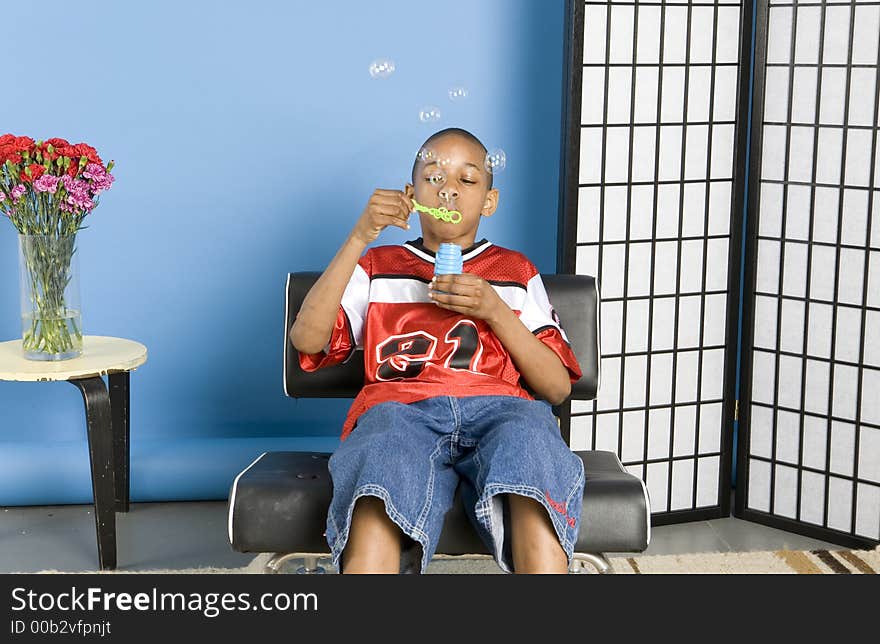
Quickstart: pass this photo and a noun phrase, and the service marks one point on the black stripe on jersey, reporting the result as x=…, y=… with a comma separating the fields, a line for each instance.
x=419, y=244
x=406, y=276
x=398, y=276
x=350, y=337
x=504, y=283
x=551, y=326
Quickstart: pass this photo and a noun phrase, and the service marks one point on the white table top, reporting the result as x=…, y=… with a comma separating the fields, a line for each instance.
x=101, y=355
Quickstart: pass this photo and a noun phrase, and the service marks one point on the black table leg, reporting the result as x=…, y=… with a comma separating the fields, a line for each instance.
x=100, y=434
x=119, y=406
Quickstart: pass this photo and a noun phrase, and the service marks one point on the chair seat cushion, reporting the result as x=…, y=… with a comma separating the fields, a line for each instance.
x=279, y=504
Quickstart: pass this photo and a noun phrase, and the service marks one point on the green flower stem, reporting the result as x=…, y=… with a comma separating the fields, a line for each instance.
x=52, y=328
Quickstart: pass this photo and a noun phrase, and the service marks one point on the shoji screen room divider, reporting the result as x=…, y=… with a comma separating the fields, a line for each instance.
x=721, y=178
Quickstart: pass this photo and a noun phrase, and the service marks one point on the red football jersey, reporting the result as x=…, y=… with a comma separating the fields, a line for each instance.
x=413, y=349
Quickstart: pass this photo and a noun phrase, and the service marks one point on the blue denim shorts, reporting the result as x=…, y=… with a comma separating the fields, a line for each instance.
x=414, y=456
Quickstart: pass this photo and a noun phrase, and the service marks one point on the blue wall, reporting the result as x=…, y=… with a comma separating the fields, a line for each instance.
x=247, y=140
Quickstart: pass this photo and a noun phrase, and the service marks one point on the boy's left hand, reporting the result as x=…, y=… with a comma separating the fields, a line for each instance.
x=467, y=294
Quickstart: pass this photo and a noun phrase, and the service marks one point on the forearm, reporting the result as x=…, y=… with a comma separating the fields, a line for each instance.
x=539, y=365
x=314, y=323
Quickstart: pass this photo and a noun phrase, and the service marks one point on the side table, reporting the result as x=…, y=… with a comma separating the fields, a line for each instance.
x=107, y=418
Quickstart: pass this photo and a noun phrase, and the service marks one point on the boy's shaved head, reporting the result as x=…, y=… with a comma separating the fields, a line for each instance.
x=451, y=131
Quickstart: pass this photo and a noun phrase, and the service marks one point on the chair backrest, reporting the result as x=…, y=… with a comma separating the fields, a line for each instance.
x=575, y=298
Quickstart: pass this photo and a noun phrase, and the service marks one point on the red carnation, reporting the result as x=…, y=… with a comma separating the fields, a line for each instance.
x=37, y=171
x=85, y=150
x=65, y=151
x=43, y=148
x=22, y=143
x=9, y=153
x=56, y=144
x=11, y=147
x=79, y=150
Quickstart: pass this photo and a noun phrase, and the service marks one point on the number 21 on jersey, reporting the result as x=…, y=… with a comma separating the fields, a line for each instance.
x=405, y=356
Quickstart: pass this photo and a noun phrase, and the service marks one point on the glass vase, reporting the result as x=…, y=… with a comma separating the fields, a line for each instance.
x=51, y=323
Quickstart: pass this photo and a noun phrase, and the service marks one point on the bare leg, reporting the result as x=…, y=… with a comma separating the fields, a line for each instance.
x=374, y=540
x=534, y=542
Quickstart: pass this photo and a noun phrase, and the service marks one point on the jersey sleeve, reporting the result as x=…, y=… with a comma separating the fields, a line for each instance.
x=541, y=319
x=348, y=330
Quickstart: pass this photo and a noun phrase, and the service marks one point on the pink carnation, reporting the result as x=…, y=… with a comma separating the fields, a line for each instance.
x=101, y=179
x=17, y=192
x=103, y=184
x=80, y=203
x=78, y=197
x=46, y=183
x=75, y=187
x=94, y=171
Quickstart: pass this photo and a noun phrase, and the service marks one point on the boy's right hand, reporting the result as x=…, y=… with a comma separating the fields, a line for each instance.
x=385, y=208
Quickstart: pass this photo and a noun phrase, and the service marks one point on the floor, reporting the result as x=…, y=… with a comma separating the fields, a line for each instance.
x=193, y=534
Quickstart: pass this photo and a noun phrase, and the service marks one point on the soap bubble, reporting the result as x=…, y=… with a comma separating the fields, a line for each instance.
x=429, y=114
x=496, y=161
x=427, y=155
x=437, y=178
x=382, y=68
x=437, y=174
x=443, y=163
x=458, y=93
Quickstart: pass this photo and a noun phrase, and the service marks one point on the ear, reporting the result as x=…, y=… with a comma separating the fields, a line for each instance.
x=491, y=203
x=409, y=190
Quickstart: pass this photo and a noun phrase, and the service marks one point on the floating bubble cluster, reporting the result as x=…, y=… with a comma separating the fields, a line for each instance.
x=496, y=160
x=437, y=176
x=429, y=114
x=458, y=93
x=443, y=163
x=382, y=68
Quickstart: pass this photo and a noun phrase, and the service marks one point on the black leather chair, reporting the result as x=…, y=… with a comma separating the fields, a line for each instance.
x=279, y=503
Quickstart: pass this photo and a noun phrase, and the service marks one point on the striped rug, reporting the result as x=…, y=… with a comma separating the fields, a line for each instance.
x=801, y=562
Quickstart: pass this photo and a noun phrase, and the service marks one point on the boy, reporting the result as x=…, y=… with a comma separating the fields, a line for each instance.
x=442, y=403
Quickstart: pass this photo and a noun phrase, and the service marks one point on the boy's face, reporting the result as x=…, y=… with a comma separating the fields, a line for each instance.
x=456, y=178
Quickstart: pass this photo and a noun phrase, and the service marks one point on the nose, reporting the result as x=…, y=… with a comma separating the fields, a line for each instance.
x=448, y=193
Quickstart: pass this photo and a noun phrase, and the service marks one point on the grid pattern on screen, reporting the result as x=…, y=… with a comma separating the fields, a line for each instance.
x=658, y=114
x=813, y=414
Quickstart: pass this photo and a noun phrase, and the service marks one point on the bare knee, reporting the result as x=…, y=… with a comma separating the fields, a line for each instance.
x=535, y=545
x=374, y=540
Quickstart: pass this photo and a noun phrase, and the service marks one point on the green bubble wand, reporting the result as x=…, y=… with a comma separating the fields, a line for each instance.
x=442, y=213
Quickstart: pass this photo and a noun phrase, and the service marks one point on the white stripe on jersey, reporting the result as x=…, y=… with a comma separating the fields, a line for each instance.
x=532, y=302
x=536, y=310
x=513, y=296
x=355, y=301
x=411, y=291
x=398, y=290
x=479, y=249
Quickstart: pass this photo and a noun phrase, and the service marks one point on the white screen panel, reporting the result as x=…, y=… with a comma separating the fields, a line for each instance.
x=656, y=193
x=813, y=405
